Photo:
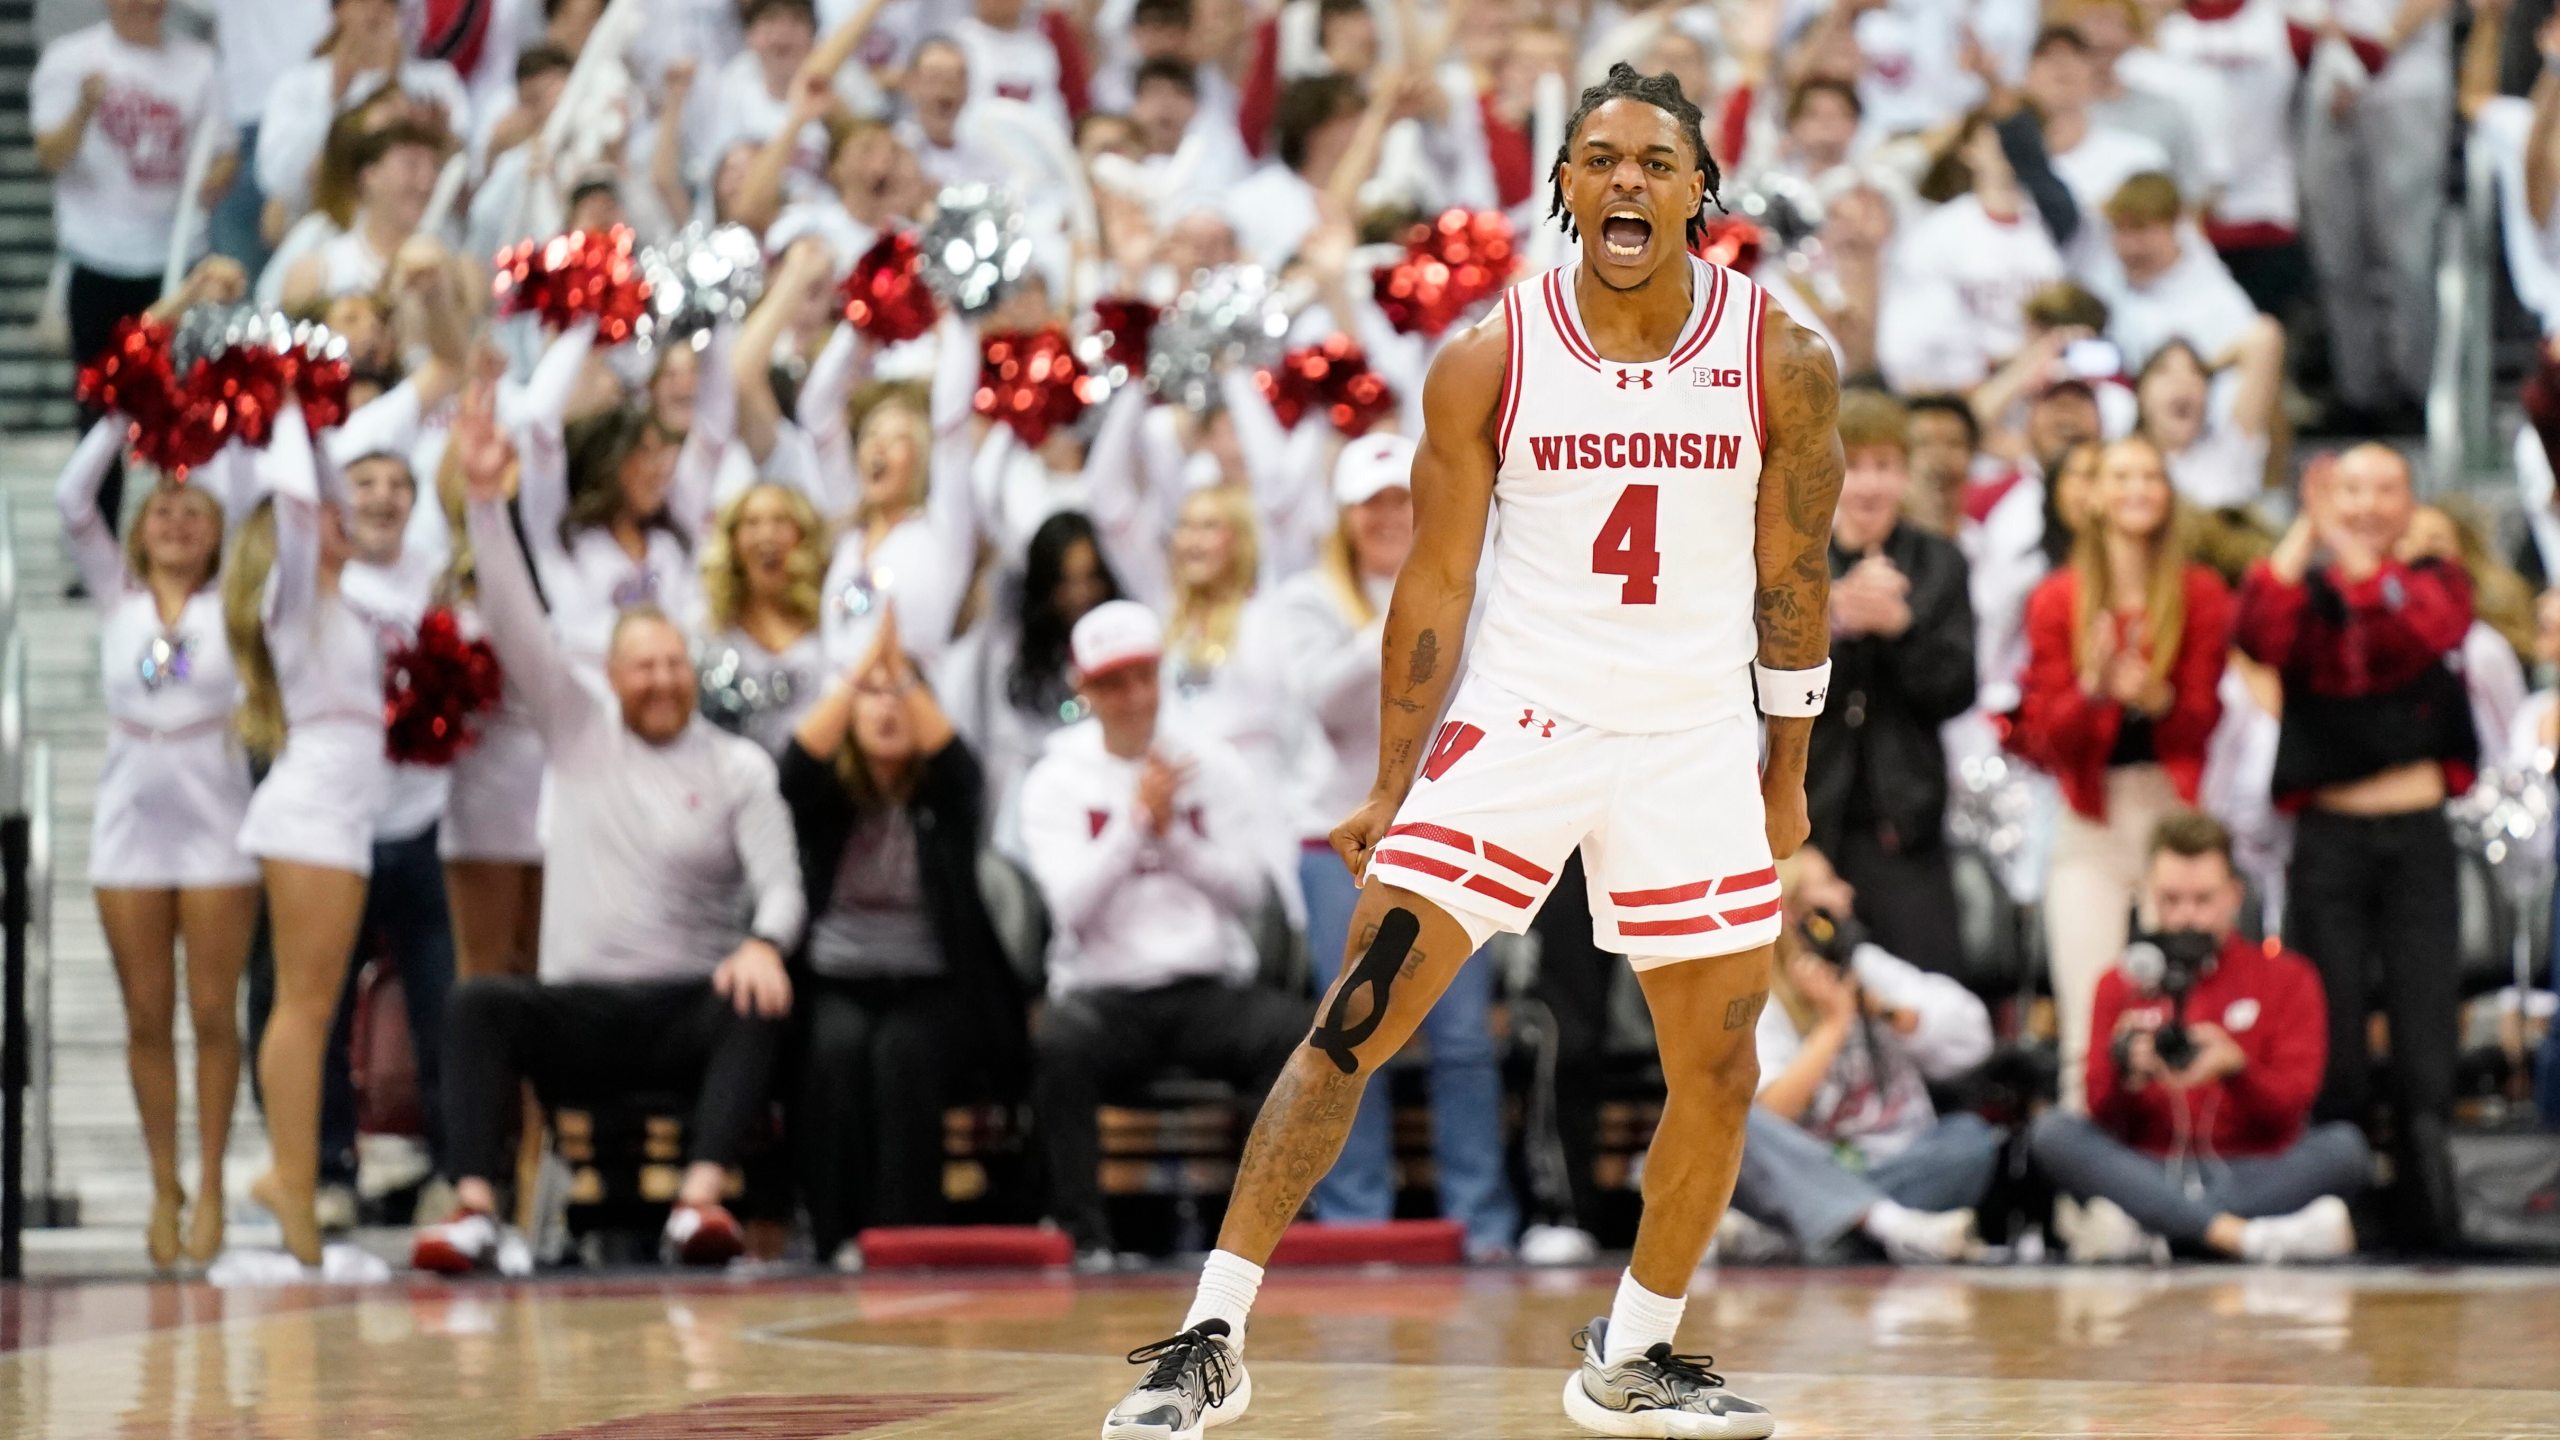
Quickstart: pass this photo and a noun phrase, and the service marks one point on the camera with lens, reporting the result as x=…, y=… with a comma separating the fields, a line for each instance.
x=2167, y=962
x=1831, y=938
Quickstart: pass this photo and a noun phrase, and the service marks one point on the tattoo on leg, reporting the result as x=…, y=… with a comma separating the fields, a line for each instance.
x=1745, y=1011
x=1389, y=942
x=1294, y=1143
x=1426, y=658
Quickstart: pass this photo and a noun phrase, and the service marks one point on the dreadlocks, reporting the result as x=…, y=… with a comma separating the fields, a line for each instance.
x=1662, y=92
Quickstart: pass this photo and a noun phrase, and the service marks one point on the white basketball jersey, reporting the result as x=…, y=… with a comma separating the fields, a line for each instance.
x=1623, y=582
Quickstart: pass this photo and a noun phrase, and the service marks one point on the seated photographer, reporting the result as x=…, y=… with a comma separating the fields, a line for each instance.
x=903, y=987
x=2195, y=1131
x=1149, y=847
x=1843, y=1139
x=673, y=894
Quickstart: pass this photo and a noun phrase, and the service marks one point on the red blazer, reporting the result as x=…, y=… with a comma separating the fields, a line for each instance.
x=2069, y=733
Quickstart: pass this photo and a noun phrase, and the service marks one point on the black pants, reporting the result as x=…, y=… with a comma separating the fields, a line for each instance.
x=878, y=1063
x=1906, y=897
x=587, y=1043
x=405, y=919
x=1101, y=1040
x=95, y=303
x=2373, y=902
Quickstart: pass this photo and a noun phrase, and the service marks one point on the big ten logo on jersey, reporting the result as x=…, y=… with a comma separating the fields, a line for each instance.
x=1709, y=377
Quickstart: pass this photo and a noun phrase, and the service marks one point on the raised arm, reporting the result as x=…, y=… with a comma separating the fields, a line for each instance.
x=93, y=546
x=759, y=414
x=1799, y=489
x=287, y=472
x=761, y=194
x=532, y=417
x=509, y=605
x=1427, y=620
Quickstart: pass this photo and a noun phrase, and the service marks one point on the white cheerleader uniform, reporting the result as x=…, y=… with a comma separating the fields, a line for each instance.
x=491, y=811
x=175, y=781
x=320, y=799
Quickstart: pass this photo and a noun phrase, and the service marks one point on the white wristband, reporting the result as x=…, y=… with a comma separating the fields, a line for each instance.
x=1792, y=693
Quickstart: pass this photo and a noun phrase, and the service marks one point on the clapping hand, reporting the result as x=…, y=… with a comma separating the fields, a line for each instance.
x=1159, y=782
x=1874, y=598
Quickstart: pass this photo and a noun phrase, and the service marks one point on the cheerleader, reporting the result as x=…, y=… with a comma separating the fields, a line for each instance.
x=762, y=664
x=311, y=674
x=164, y=851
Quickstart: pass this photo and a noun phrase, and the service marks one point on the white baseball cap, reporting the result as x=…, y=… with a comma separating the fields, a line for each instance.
x=1115, y=633
x=1370, y=464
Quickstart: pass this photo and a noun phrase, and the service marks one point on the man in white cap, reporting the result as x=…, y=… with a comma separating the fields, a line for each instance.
x=1146, y=847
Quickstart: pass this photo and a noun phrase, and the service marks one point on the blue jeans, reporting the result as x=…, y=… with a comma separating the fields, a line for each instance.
x=2087, y=1162
x=1466, y=1089
x=233, y=226
x=1793, y=1180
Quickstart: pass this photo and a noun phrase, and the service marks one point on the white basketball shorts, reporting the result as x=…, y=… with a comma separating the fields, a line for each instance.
x=1670, y=825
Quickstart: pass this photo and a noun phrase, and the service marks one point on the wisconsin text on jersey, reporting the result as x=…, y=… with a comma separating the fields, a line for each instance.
x=1642, y=450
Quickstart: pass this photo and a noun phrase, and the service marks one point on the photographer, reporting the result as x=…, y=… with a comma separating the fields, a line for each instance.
x=2195, y=1128
x=1843, y=1138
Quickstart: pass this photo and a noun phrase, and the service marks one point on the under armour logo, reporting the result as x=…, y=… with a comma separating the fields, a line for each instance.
x=1815, y=697
x=1641, y=379
x=1547, y=728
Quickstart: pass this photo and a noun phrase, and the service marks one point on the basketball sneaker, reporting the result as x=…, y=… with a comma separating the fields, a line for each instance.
x=1193, y=1381
x=702, y=1235
x=1656, y=1395
x=468, y=1242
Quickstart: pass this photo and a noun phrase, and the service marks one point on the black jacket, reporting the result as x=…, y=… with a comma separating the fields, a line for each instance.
x=948, y=808
x=1876, y=760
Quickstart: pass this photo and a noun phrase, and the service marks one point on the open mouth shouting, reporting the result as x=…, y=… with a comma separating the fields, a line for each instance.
x=1626, y=233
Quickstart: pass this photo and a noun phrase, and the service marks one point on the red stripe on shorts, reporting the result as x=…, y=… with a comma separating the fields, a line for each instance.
x=1436, y=869
x=1752, y=881
x=1674, y=895
x=1499, y=891
x=1751, y=913
x=1691, y=926
x=1440, y=834
x=1514, y=863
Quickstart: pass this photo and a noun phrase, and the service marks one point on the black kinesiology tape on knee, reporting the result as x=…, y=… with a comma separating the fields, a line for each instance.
x=1376, y=973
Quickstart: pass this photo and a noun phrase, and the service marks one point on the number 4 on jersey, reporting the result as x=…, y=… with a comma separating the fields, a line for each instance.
x=1625, y=546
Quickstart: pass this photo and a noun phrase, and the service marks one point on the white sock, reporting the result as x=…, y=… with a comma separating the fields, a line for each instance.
x=1885, y=1221
x=1228, y=1284
x=1640, y=1320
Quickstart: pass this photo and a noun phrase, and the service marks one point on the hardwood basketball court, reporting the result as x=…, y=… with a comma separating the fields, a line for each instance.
x=2226, y=1352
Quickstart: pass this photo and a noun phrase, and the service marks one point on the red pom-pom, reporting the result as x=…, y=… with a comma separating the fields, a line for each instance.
x=320, y=382
x=1733, y=242
x=133, y=378
x=237, y=393
x=1449, y=265
x=1128, y=325
x=1332, y=379
x=885, y=297
x=1032, y=381
x=573, y=277
x=432, y=690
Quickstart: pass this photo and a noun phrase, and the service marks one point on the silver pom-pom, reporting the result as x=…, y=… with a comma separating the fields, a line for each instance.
x=975, y=248
x=208, y=331
x=1233, y=319
x=702, y=277
x=2506, y=819
x=1991, y=810
x=1786, y=208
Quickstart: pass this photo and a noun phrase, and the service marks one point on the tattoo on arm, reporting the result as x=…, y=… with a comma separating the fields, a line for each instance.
x=1745, y=1011
x=1426, y=659
x=1799, y=490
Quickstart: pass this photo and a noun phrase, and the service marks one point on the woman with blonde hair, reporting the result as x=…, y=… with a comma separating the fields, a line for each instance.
x=2126, y=647
x=164, y=851
x=763, y=660
x=311, y=677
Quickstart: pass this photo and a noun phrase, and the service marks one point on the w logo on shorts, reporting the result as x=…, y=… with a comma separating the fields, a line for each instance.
x=1451, y=745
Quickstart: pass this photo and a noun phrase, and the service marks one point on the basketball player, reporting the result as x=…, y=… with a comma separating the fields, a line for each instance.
x=1661, y=444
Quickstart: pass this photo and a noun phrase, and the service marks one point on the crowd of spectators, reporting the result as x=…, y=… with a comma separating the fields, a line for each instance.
x=798, y=640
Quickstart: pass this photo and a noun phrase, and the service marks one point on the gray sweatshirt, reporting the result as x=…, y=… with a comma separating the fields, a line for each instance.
x=659, y=859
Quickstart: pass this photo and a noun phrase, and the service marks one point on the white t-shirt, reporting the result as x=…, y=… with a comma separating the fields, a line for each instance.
x=2194, y=300
x=2226, y=466
x=300, y=110
x=1015, y=64
x=1954, y=305
x=2250, y=57
x=258, y=40
x=746, y=110
x=116, y=203
x=1272, y=210
x=2094, y=170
